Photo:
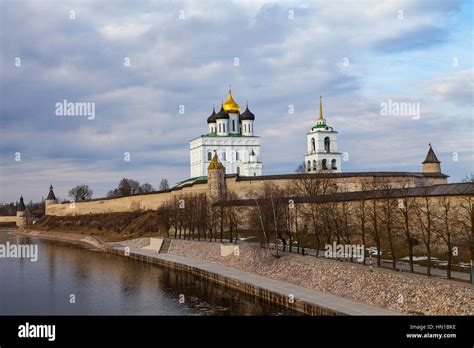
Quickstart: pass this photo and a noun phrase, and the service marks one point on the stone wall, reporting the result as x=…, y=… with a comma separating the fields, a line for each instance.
x=7, y=219
x=243, y=187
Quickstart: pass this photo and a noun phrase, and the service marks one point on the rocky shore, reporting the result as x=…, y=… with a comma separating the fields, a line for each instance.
x=407, y=293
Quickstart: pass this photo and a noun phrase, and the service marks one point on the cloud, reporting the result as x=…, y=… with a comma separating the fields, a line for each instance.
x=282, y=61
x=124, y=32
x=456, y=88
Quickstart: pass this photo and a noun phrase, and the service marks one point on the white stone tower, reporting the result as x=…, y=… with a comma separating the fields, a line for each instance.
x=322, y=154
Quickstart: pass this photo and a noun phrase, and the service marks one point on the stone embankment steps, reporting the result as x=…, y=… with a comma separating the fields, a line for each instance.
x=165, y=246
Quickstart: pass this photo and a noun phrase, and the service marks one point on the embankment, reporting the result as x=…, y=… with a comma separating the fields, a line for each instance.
x=110, y=226
x=67, y=237
x=400, y=292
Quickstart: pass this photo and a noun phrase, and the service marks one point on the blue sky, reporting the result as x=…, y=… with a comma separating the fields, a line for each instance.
x=404, y=51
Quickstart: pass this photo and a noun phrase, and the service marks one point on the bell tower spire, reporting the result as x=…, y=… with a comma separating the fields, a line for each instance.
x=320, y=107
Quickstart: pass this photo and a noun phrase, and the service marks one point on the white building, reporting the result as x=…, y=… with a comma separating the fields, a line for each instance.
x=322, y=154
x=231, y=136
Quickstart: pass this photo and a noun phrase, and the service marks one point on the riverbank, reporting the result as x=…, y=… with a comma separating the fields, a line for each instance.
x=379, y=289
x=66, y=237
x=399, y=292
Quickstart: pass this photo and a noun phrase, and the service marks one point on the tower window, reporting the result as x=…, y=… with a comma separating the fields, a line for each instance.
x=223, y=126
x=209, y=156
x=220, y=127
x=327, y=144
x=238, y=170
x=333, y=164
x=309, y=166
x=325, y=164
x=314, y=165
x=313, y=144
x=233, y=125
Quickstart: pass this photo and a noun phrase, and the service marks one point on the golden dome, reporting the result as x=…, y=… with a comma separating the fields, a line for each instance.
x=230, y=106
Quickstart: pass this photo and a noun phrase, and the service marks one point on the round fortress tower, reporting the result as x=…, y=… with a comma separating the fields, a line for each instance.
x=21, y=215
x=51, y=199
x=216, y=179
x=431, y=164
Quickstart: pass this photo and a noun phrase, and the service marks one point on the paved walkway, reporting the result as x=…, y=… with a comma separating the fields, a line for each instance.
x=315, y=297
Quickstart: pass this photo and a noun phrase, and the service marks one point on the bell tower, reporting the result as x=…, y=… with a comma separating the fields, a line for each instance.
x=322, y=154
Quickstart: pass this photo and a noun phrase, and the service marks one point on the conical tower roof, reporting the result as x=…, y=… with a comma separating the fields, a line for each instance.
x=21, y=206
x=215, y=163
x=51, y=193
x=431, y=156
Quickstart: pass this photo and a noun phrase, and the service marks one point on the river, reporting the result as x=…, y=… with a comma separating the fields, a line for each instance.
x=73, y=280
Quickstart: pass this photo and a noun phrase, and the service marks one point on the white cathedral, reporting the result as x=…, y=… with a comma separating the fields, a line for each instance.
x=322, y=153
x=231, y=136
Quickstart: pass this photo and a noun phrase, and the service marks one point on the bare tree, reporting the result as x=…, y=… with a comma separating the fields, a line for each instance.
x=424, y=219
x=407, y=208
x=445, y=217
x=466, y=209
x=388, y=206
x=146, y=187
x=360, y=214
x=164, y=186
x=81, y=192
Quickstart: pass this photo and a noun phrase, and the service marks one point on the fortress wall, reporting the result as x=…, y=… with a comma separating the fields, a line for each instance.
x=248, y=188
x=122, y=204
x=243, y=189
x=8, y=218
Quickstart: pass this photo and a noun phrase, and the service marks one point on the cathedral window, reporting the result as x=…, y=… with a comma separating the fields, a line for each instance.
x=314, y=165
x=325, y=164
x=224, y=157
x=233, y=125
x=309, y=166
x=209, y=156
x=237, y=157
x=327, y=144
x=223, y=126
x=313, y=144
x=333, y=164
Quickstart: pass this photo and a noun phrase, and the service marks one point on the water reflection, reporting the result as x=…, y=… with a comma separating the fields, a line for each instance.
x=109, y=284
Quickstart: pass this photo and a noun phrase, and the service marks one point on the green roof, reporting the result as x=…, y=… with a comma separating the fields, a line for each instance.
x=229, y=135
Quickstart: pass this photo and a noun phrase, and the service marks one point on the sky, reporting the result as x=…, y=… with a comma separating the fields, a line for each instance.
x=142, y=63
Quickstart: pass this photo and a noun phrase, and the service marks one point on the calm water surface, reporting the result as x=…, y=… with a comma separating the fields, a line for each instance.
x=109, y=284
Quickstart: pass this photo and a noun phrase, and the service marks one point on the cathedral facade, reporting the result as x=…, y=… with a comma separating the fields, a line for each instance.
x=231, y=136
